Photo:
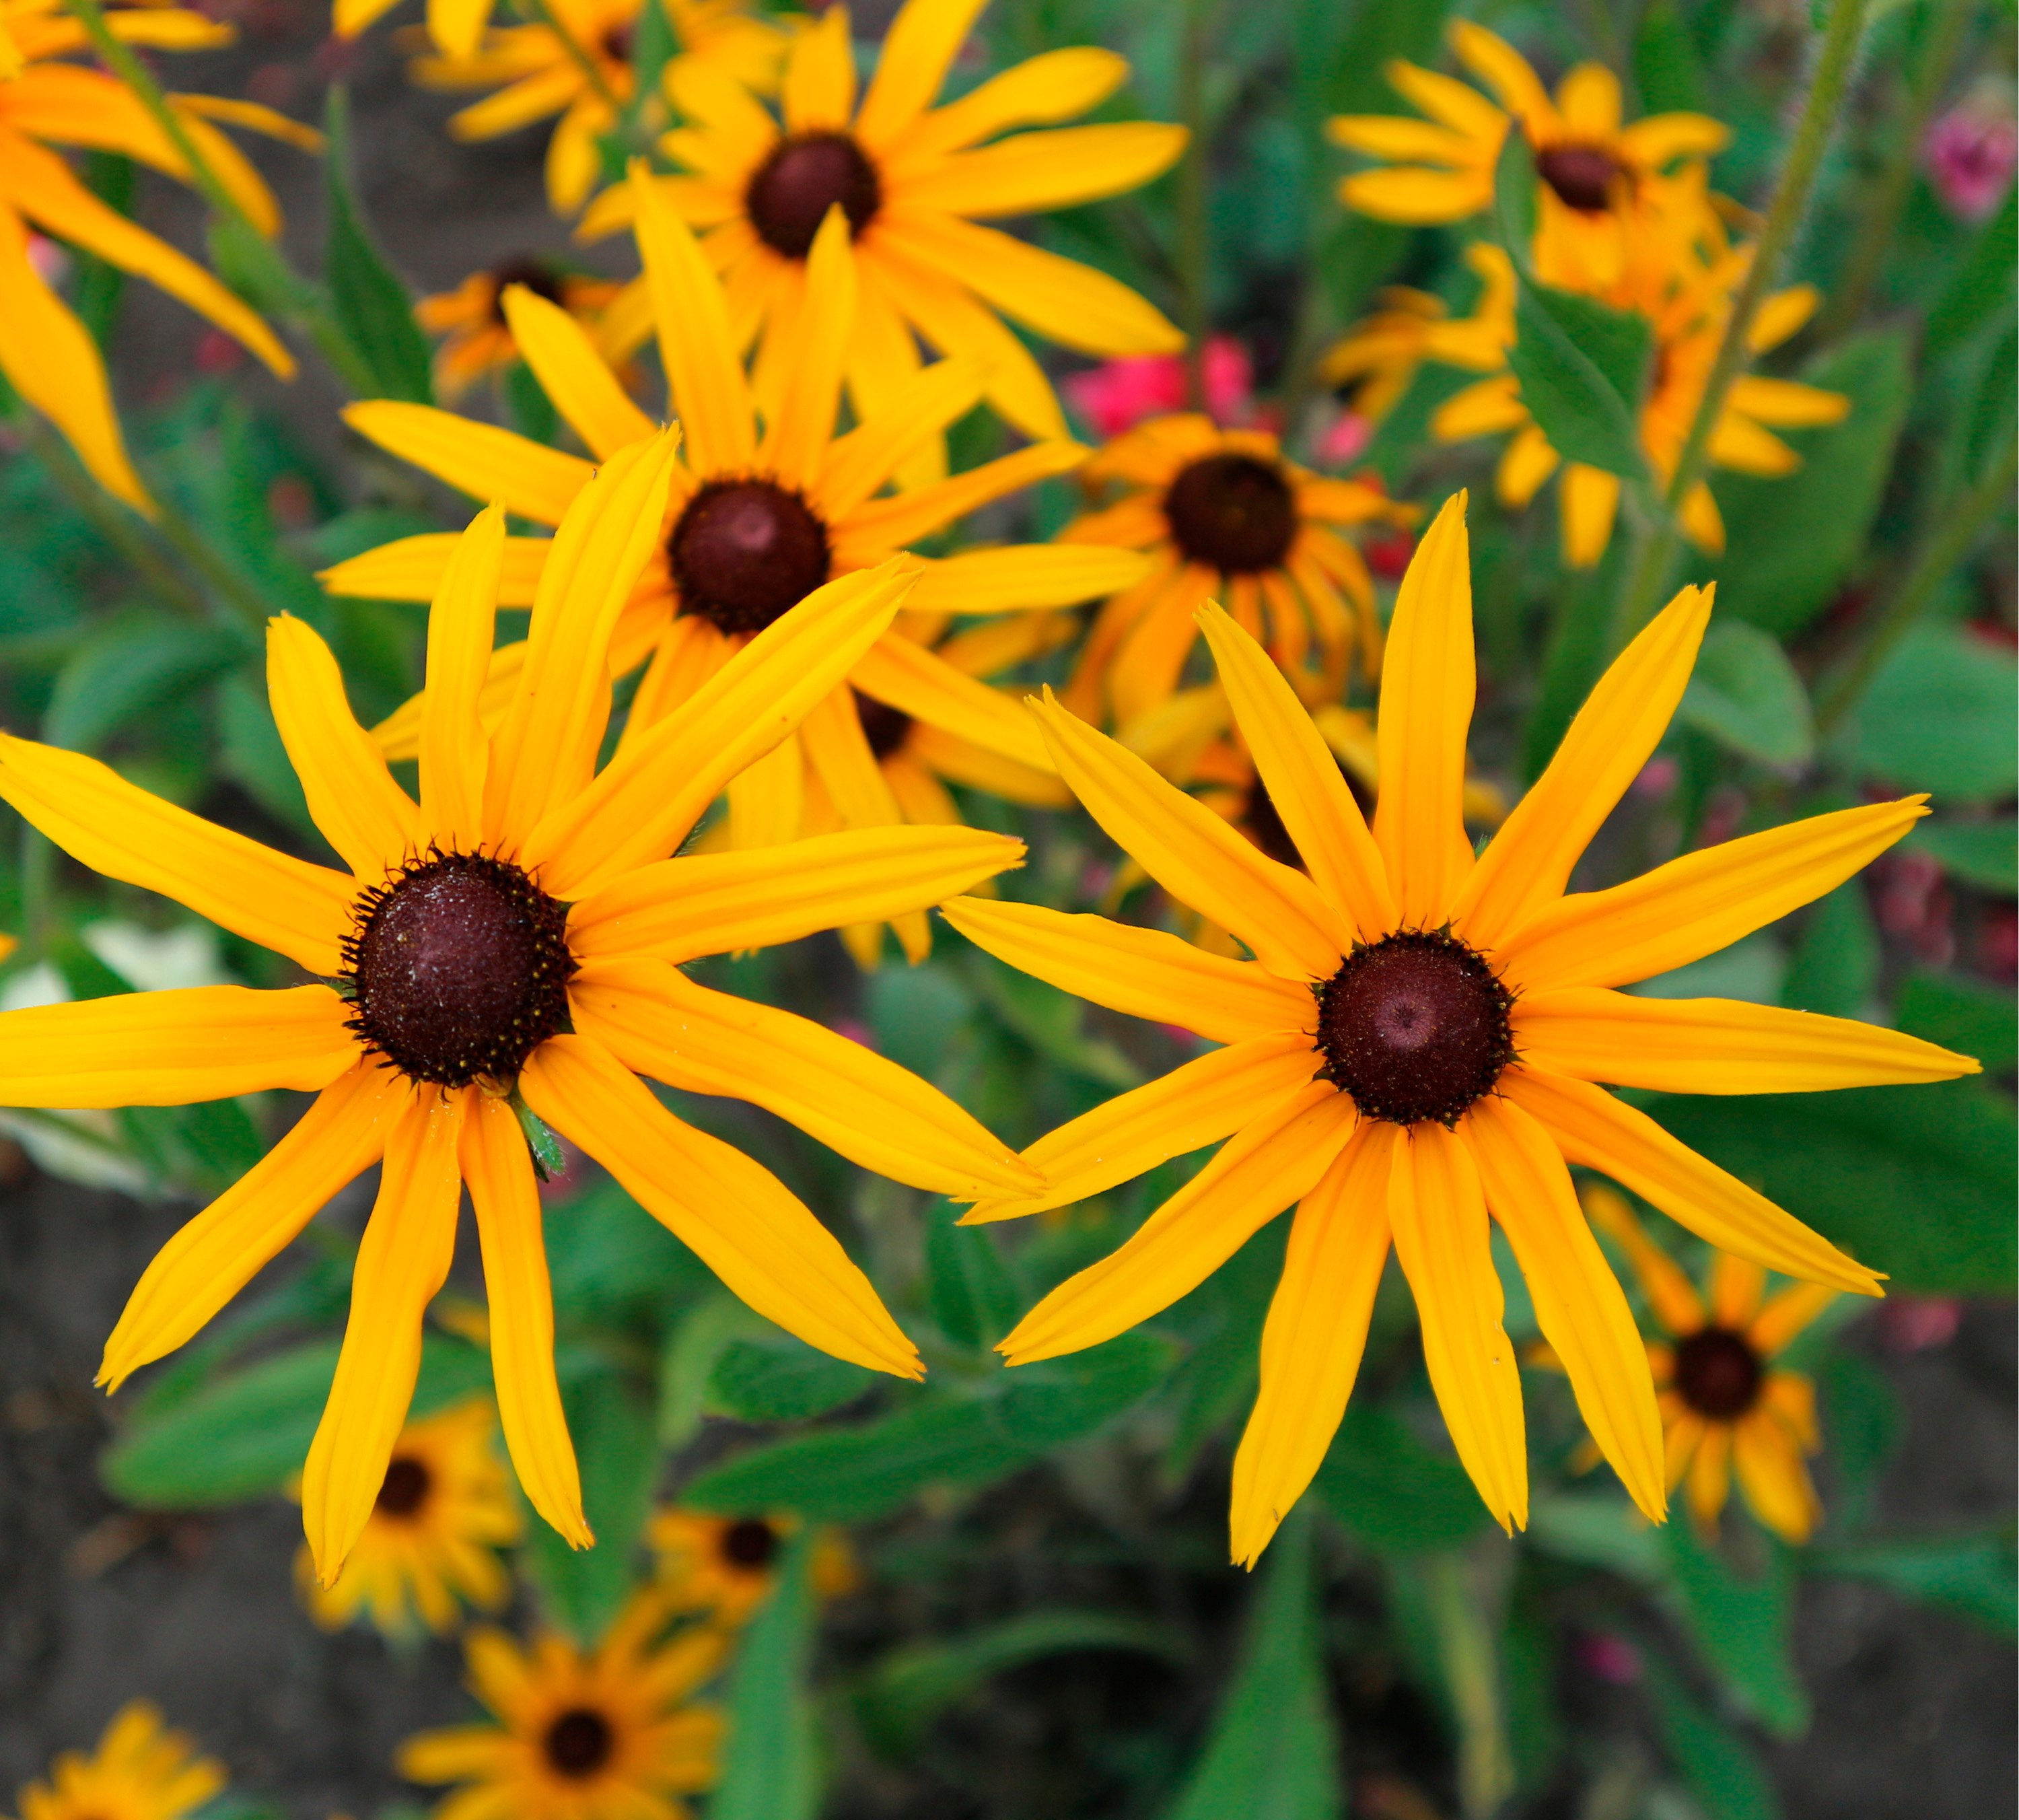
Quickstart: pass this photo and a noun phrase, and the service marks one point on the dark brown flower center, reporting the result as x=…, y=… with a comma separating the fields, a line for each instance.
x=793, y=189
x=457, y=969
x=752, y=1544
x=885, y=728
x=1232, y=512
x=617, y=42
x=1583, y=176
x=406, y=1484
x=745, y=551
x=1264, y=821
x=526, y=269
x=1718, y=1373
x=579, y=1742
x=1415, y=1027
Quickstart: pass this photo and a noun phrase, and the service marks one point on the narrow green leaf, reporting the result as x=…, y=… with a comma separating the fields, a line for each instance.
x=770, y=1768
x=1582, y=367
x=548, y=1159
x=1666, y=68
x=1739, y=1625
x=1972, y=1573
x=1746, y=695
x=1392, y=1492
x=1963, y=1014
x=973, y=1297
x=129, y=664
x=1722, y=1770
x=371, y=305
x=781, y=1378
x=1980, y=288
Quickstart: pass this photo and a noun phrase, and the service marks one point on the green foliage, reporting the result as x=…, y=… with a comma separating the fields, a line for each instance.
x=1941, y=715
x=1739, y=1622
x=973, y=1297
x=1745, y=695
x=779, y=1378
x=1581, y=368
x=1720, y=1768
x=370, y=303
x=1972, y=1573
x=1392, y=1492
x=771, y=1768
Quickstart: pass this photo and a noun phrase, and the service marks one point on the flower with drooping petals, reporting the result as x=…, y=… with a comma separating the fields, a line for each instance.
x=141, y=1770
x=477, y=333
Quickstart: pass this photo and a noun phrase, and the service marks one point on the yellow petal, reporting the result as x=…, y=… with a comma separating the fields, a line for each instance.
x=411, y=568
x=1776, y=1483
x=1053, y=86
x=739, y=1219
x=883, y=524
x=1426, y=696
x=1578, y=1300
x=767, y=798
x=1275, y=1160
x=1528, y=864
x=1710, y=1476
x=900, y=672
x=1014, y=577
x=1291, y=928
x=1437, y=1214
x=1412, y=194
x=453, y=746
x=1737, y=1283
x=457, y=25
x=818, y=94
x=1594, y=1129
x=1697, y=904
x=1502, y=68
x=1784, y=403
x=1671, y=1294
x=1313, y=1340
x=856, y=465
x=796, y=439
x=570, y=371
x=1588, y=501
x=1041, y=171
x=402, y=1262
x=507, y=1205
x=488, y=463
x=1786, y=1315
x=845, y=772
x=918, y=51
x=118, y=830
x=1196, y=1104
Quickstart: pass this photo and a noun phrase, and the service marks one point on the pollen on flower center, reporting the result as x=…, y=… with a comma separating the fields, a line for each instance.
x=405, y=1489
x=1718, y=1373
x=579, y=1742
x=1232, y=512
x=752, y=1544
x=458, y=969
x=793, y=189
x=885, y=728
x=526, y=269
x=743, y=551
x=1415, y=1027
x=1583, y=176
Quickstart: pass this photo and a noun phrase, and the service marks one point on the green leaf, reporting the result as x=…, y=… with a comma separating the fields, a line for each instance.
x=249, y=753
x=973, y=1297
x=1273, y=1751
x=1972, y=1573
x=1963, y=1014
x=549, y=1160
x=1834, y=971
x=1392, y=1492
x=1942, y=715
x=770, y=1768
x=1983, y=854
x=782, y=1379
x=618, y=1451
x=1582, y=367
x=614, y=1264
x=912, y=1685
x=1666, y=68
x=101, y=284
x=1980, y=288
x=371, y=305
x=1596, y=1529
x=1745, y=694
x=1916, y=1181
x=694, y=1345
x=130, y=663
x=1791, y=540
x=1514, y=204
x=1722, y=1770
x=1739, y=1626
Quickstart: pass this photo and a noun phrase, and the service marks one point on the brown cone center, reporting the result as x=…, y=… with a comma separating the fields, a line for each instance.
x=1583, y=176
x=579, y=1742
x=885, y=728
x=1718, y=1373
x=526, y=269
x=793, y=189
x=1232, y=512
x=405, y=1489
x=743, y=551
x=752, y=1544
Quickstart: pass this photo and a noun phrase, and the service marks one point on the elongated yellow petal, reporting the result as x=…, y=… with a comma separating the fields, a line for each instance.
x=918, y=50
x=643, y=804
x=1578, y=1300
x=889, y=524
x=1141, y=973
x=1529, y=862
x=1053, y=86
x=1593, y=1128
x=742, y=1222
x=1716, y=1046
x=1786, y=1315
x=718, y=903
x=1304, y=781
x=1281, y=915
x=1437, y=1213
x=1012, y=576
x=453, y=745
x=1697, y=904
x=119, y=830
x=370, y=821
x=216, y=1254
x=1737, y=1285
x=507, y=1205
x=572, y=374
x=656, y=1020
x=1204, y=1099
x=1775, y=1483
x=1426, y=696
x=817, y=93
x=1037, y=171
x=402, y=1262
x=411, y=568
x=1313, y=1339
x=1670, y=1293
x=173, y=1048
x=1258, y=1172
x=488, y=463
x=546, y=751
x=901, y=672
x=893, y=430
x=796, y=438
x=457, y=25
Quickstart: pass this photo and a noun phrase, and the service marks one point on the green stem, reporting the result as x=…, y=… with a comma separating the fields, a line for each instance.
x=1192, y=273
x=1834, y=63
x=1938, y=555
x=195, y=549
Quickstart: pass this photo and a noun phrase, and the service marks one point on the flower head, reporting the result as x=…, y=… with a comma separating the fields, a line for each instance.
x=511, y=939
x=1418, y=1041
x=725, y=1567
x=471, y=319
x=1971, y=152
x=141, y=1770
x=1117, y=395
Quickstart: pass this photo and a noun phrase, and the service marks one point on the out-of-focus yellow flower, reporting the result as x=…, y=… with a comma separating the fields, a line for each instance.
x=1380, y=356
x=725, y=1566
x=477, y=335
x=141, y=1770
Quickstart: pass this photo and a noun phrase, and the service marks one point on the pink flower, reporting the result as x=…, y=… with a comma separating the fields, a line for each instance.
x=1971, y=154
x=1117, y=395
x=1608, y=1657
x=1917, y=1323
x=1343, y=441
x=51, y=263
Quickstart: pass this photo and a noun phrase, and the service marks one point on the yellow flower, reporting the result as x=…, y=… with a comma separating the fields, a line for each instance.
x=1222, y=512
x=1379, y=355
x=727, y=1566
x=1725, y=1405
x=761, y=513
x=471, y=318
x=443, y=1506
x=1417, y=1040
x=607, y=1734
x=915, y=182
x=45, y=352
x=1593, y=174
x=141, y=1770
x=520, y=924
x=537, y=72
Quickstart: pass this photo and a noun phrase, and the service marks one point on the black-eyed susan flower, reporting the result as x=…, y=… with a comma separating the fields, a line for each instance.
x=1223, y=513
x=762, y=514
x=45, y=353
x=514, y=936
x=1419, y=1042
x=915, y=183
x=1379, y=355
x=476, y=337
x=576, y=61
x=1594, y=174
x=1727, y=1407
x=725, y=1567
x=140, y=1770
x=611, y=1733
x=430, y=1546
